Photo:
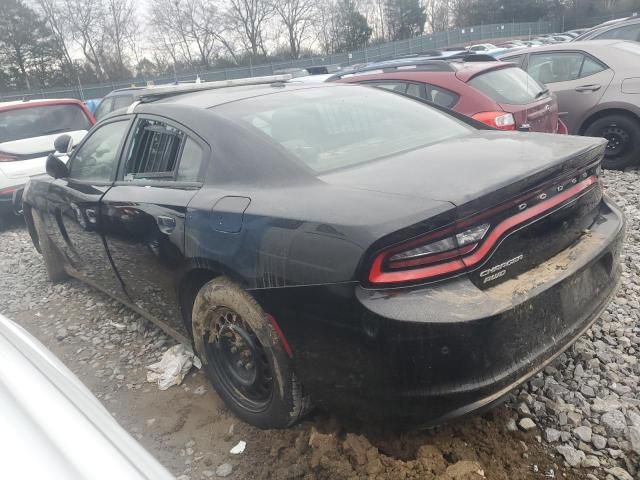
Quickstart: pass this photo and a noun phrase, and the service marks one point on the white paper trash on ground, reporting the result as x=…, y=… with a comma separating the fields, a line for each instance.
x=239, y=448
x=172, y=367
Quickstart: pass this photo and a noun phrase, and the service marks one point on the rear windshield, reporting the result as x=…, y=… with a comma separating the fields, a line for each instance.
x=32, y=122
x=111, y=104
x=508, y=85
x=334, y=127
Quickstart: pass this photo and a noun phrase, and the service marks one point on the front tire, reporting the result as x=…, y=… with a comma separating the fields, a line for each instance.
x=53, y=260
x=244, y=357
x=623, y=134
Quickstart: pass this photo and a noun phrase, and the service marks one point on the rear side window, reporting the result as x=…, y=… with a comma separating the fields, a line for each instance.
x=512, y=86
x=629, y=32
x=163, y=152
x=441, y=97
x=155, y=151
x=39, y=121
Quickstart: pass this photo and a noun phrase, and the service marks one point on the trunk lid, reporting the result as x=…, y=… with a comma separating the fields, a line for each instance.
x=537, y=192
x=473, y=172
x=541, y=116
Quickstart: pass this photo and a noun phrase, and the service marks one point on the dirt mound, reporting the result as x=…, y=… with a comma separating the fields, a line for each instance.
x=474, y=449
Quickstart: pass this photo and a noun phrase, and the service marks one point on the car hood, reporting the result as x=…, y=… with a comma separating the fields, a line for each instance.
x=47, y=410
x=42, y=145
x=464, y=170
x=32, y=155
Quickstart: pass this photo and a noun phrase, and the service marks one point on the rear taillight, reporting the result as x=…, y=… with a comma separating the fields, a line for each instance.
x=423, y=257
x=7, y=157
x=8, y=191
x=468, y=243
x=499, y=120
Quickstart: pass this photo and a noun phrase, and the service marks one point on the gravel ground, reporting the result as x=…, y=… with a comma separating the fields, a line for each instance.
x=578, y=419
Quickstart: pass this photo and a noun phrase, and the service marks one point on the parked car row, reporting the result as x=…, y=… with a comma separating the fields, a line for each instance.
x=436, y=208
x=342, y=246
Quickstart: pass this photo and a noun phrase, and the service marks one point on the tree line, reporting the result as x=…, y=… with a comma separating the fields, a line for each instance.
x=45, y=43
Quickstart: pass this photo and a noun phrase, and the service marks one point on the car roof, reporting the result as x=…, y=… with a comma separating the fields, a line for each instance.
x=75, y=436
x=586, y=45
x=38, y=103
x=212, y=98
x=464, y=71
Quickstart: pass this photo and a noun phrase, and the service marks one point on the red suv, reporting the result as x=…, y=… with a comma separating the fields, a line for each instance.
x=496, y=93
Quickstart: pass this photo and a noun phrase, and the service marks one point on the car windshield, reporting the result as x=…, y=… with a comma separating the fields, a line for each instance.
x=42, y=120
x=336, y=127
x=512, y=86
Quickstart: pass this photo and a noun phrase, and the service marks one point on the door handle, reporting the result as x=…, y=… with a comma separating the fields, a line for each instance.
x=166, y=224
x=588, y=88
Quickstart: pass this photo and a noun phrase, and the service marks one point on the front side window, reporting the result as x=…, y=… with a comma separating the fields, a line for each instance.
x=342, y=126
x=96, y=159
x=41, y=120
x=512, y=86
x=562, y=66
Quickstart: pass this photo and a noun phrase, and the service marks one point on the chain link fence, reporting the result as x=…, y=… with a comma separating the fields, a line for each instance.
x=438, y=40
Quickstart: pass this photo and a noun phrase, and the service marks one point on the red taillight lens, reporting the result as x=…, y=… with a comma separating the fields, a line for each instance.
x=7, y=157
x=430, y=256
x=452, y=250
x=499, y=120
x=8, y=191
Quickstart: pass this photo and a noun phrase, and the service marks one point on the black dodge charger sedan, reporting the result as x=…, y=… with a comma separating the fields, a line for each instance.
x=336, y=245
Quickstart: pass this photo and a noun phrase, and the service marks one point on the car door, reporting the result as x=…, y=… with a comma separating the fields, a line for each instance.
x=74, y=221
x=145, y=212
x=578, y=80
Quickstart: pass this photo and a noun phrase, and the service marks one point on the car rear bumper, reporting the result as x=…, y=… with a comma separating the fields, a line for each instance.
x=425, y=355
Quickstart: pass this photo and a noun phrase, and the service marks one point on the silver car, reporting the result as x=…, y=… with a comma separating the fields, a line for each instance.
x=53, y=427
x=597, y=84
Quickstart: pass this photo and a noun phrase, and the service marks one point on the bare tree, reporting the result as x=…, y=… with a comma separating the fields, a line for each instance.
x=86, y=23
x=192, y=29
x=327, y=33
x=438, y=14
x=54, y=17
x=250, y=17
x=119, y=24
x=297, y=16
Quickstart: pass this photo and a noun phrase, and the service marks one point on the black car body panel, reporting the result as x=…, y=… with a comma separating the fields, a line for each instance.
x=303, y=242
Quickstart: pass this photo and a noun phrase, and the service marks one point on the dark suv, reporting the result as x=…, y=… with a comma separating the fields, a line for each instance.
x=336, y=245
x=116, y=100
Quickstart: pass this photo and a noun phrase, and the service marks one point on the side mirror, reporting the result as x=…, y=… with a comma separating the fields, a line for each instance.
x=56, y=167
x=63, y=144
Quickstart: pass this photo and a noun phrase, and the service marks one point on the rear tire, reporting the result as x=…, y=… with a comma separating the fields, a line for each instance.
x=244, y=358
x=53, y=260
x=623, y=134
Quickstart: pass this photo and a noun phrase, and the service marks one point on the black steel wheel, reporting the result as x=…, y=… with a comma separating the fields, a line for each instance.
x=239, y=358
x=623, y=135
x=244, y=358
